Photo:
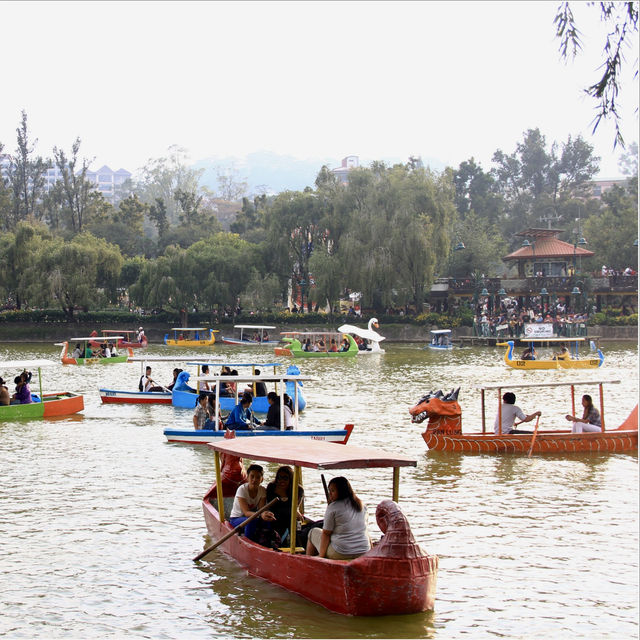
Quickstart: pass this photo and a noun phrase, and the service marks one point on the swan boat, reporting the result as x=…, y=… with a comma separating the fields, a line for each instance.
x=295, y=339
x=185, y=396
x=572, y=361
x=371, y=339
x=191, y=337
x=204, y=436
x=242, y=339
x=127, y=340
x=43, y=405
x=444, y=429
x=84, y=343
x=440, y=340
x=124, y=396
x=394, y=577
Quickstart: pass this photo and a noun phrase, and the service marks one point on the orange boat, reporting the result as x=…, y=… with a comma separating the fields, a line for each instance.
x=444, y=429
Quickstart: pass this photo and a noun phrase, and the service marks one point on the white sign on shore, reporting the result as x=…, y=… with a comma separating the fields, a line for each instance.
x=535, y=330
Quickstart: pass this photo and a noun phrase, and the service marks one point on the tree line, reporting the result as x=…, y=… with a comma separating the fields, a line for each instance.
x=387, y=233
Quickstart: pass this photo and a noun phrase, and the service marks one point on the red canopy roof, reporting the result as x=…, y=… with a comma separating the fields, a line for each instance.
x=314, y=454
x=545, y=244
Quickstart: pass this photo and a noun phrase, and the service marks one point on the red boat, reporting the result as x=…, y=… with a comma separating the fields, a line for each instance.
x=444, y=429
x=126, y=340
x=394, y=577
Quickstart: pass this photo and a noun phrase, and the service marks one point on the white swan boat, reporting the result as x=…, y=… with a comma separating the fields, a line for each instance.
x=372, y=338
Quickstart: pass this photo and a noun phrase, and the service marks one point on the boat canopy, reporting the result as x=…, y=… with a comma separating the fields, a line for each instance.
x=252, y=326
x=26, y=364
x=191, y=329
x=310, y=333
x=266, y=378
x=233, y=364
x=575, y=383
x=441, y=331
x=117, y=331
x=313, y=454
x=93, y=338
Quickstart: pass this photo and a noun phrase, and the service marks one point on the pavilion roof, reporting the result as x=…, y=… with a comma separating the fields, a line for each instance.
x=546, y=244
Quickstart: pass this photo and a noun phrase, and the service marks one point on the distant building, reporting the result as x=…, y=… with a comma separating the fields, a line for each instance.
x=342, y=172
x=598, y=187
x=109, y=183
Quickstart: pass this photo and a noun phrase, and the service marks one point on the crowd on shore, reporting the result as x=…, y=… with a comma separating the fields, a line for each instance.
x=510, y=320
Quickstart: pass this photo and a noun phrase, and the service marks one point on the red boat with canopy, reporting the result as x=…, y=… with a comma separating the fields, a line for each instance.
x=394, y=577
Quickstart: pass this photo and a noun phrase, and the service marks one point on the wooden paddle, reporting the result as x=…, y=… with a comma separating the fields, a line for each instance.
x=535, y=433
x=235, y=530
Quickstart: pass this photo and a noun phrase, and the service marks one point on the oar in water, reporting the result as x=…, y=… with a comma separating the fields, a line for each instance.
x=535, y=433
x=235, y=530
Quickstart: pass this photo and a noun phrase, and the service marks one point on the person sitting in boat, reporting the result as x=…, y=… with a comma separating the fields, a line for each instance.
x=114, y=351
x=88, y=353
x=344, y=534
x=256, y=336
x=344, y=346
x=176, y=373
x=241, y=417
x=250, y=497
x=105, y=351
x=563, y=354
x=140, y=337
x=590, y=421
x=147, y=384
x=529, y=353
x=265, y=337
x=272, y=421
x=510, y=412
x=261, y=387
x=333, y=347
x=288, y=412
x=77, y=352
x=282, y=488
x=23, y=393
x=201, y=412
x=5, y=398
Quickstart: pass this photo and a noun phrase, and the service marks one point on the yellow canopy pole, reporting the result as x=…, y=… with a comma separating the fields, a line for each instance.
x=573, y=400
x=253, y=384
x=499, y=412
x=219, y=487
x=396, y=483
x=294, y=509
x=484, y=425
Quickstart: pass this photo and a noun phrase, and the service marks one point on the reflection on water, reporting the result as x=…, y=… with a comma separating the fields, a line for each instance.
x=101, y=517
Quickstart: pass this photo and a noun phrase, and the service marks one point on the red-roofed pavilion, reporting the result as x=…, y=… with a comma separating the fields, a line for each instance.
x=543, y=253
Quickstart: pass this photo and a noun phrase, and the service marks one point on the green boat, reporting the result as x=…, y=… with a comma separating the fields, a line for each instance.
x=47, y=405
x=317, y=344
x=84, y=348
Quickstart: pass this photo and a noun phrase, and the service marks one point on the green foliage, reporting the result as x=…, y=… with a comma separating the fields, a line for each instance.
x=613, y=319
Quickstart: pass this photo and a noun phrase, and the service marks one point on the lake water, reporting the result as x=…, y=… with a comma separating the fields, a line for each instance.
x=100, y=517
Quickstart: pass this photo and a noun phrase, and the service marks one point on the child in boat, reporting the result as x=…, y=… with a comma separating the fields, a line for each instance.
x=344, y=534
x=563, y=354
x=590, y=421
x=23, y=393
x=201, y=413
x=250, y=497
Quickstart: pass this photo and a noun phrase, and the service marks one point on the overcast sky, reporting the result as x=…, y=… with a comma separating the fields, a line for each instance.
x=446, y=81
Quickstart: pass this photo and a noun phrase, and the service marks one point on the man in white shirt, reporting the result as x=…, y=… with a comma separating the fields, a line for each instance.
x=510, y=412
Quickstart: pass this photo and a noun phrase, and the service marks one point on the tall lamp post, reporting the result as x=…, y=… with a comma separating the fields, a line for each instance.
x=581, y=242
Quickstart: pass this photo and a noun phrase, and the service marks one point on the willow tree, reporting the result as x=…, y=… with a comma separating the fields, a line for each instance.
x=82, y=273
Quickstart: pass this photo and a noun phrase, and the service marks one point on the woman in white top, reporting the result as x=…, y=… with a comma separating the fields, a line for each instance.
x=344, y=534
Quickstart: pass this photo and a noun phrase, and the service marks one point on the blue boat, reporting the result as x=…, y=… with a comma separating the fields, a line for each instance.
x=440, y=340
x=185, y=395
